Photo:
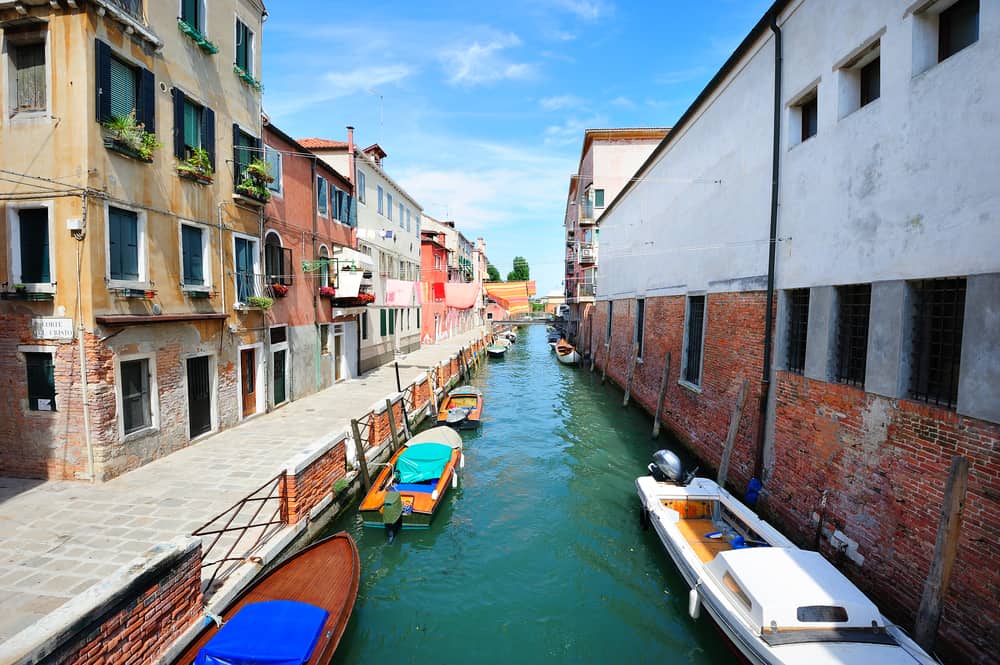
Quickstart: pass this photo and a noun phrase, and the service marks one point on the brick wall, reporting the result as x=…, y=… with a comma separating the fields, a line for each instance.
x=141, y=624
x=883, y=464
x=733, y=352
x=305, y=489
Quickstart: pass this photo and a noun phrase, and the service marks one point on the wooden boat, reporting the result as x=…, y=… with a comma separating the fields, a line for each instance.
x=462, y=409
x=496, y=350
x=552, y=345
x=511, y=335
x=778, y=604
x=566, y=353
x=286, y=616
x=408, y=491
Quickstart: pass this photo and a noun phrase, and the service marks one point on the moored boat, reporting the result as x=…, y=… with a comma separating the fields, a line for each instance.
x=462, y=409
x=286, y=617
x=496, y=350
x=778, y=604
x=566, y=353
x=408, y=491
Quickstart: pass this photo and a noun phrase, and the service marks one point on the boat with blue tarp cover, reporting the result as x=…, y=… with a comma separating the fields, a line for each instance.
x=413, y=483
x=286, y=618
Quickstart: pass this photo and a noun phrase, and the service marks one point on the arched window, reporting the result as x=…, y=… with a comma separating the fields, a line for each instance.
x=324, y=271
x=277, y=260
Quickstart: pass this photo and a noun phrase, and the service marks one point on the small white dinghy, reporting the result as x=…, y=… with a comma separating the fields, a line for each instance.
x=778, y=604
x=566, y=353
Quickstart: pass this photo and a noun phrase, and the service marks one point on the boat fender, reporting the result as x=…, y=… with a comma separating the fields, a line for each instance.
x=694, y=604
x=434, y=495
x=461, y=461
x=454, y=480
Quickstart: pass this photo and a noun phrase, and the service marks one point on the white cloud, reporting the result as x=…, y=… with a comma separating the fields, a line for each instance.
x=483, y=62
x=366, y=77
x=588, y=10
x=571, y=132
x=622, y=102
x=559, y=102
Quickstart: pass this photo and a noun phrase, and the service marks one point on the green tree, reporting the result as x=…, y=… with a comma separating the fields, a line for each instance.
x=492, y=272
x=521, y=272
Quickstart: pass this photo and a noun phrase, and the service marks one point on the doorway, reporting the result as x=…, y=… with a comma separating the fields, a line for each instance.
x=199, y=382
x=248, y=381
x=338, y=352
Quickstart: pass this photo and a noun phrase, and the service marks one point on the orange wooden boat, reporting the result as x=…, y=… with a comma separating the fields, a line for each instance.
x=462, y=409
x=311, y=595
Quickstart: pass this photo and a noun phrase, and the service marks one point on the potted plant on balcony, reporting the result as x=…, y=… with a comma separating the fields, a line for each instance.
x=327, y=292
x=197, y=167
x=129, y=137
x=259, y=302
x=279, y=290
x=256, y=178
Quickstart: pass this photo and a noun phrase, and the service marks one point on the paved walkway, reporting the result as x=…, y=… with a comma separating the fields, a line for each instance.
x=59, y=538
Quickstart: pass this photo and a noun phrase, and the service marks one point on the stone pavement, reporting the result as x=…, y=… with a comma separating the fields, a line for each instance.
x=59, y=538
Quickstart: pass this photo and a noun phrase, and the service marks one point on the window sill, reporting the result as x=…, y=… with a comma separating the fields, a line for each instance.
x=140, y=433
x=690, y=386
x=114, y=284
x=200, y=178
x=30, y=116
x=122, y=149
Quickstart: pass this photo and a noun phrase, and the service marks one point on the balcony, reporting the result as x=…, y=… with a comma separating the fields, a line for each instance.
x=587, y=254
x=251, y=293
x=585, y=291
x=587, y=215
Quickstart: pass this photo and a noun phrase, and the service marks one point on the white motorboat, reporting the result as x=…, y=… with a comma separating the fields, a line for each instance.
x=778, y=604
x=566, y=353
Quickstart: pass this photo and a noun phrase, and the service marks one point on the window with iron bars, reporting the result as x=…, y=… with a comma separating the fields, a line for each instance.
x=798, y=324
x=938, y=313
x=695, y=332
x=852, y=333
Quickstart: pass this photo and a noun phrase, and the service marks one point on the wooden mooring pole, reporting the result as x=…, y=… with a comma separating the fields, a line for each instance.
x=734, y=426
x=392, y=425
x=607, y=361
x=631, y=373
x=945, y=548
x=359, y=449
x=662, y=396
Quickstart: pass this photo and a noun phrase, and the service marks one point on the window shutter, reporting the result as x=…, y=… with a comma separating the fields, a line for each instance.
x=353, y=221
x=130, y=242
x=208, y=134
x=383, y=328
x=237, y=167
x=286, y=266
x=146, y=100
x=178, y=124
x=103, y=81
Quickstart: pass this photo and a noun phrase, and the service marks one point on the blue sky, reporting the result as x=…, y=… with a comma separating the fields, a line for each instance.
x=481, y=107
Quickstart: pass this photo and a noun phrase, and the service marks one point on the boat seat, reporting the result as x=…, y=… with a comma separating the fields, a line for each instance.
x=694, y=531
x=426, y=488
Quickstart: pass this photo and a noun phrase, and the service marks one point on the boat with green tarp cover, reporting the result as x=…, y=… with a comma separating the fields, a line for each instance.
x=408, y=491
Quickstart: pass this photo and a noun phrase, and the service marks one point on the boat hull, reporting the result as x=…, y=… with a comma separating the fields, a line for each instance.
x=570, y=358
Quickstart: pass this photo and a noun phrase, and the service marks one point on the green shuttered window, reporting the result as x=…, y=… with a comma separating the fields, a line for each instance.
x=193, y=255
x=41, y=381
x=244, y=47
x=136, y=413
x=321, y=195
x=123, y=244
x=123, y=89
x=383, y=320
x=191, y=14
x=33, y=228
x=192, y=125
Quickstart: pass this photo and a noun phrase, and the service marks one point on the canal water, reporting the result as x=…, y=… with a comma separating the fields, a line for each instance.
x=538, y=556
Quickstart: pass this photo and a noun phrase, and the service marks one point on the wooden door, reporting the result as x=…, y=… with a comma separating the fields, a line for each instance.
x=248, y=376
x=199, y=395
x=338, y=346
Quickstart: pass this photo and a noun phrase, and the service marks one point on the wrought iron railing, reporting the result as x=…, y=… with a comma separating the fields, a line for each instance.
x=234, y=535
x=585, y=290
x=250, y=285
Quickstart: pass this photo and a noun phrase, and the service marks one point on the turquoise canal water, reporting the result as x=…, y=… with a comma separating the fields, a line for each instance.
x=538, y=556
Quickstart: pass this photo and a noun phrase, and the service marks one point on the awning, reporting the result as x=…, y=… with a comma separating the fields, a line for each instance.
x=346, y=254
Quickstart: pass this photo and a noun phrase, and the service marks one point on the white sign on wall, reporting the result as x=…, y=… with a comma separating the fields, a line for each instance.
x=52, y=328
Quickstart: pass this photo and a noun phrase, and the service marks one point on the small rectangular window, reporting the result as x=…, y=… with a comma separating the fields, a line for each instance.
x=388, y=199
x=958, y=27
x=136, y=408
x=273, y=159
x=870, y=78
x=798, y=326
x=123, y=244
x=279, y=334
x=191, y=13
x=27, y=77
x=408, y=218
x=598, y=198
x=938, y=318
x=33, y=237
x=607, y=336
x=808, y=112
x=364, y=325
x=402, y=218
x=361, y=187
x=192, y=126
x=640, y=325
x=693, y=340
x=193, y=255
x=821, y=614
x=852, y=333
x=244, y=47
x=41, y=381
x=380, y=193
x=321, y=195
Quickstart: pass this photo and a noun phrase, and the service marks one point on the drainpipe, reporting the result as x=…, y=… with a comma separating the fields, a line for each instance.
x=315, y=291
x=82, y=348
x=350, y=159
x=765, y=388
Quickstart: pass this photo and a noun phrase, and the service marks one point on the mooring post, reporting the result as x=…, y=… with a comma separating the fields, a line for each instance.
x=662, y=396
x=607, y=360
x=399, y=386
x=631, y=373
x=734, y=425
x=392, y=425
x=359, y=449
x=432, y=395
x=406, y=415
x=945, y=548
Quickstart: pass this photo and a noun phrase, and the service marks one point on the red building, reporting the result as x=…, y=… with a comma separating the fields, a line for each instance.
x=434, y=274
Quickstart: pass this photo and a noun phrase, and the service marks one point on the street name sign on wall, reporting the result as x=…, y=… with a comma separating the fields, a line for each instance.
x=52, y=328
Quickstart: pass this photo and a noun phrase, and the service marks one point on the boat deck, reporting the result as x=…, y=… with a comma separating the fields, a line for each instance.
x=694, y=531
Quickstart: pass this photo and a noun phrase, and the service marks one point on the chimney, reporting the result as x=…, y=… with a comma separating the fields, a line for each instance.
x=350, y=159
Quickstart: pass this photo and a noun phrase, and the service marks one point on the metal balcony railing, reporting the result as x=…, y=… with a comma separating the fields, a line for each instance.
x=585, y=290
x=586, y=214
x=587, y=253
x=250, y=285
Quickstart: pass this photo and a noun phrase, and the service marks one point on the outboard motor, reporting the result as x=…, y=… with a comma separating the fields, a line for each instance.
x=667, y=468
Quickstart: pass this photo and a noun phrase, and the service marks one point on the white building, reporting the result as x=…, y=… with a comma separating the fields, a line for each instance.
x=388, y=232
x=880, y=362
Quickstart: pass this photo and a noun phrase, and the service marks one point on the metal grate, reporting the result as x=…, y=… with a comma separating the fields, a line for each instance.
x=939, y=309
x=852, y=333
x=696, y=322
x=798, y=324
